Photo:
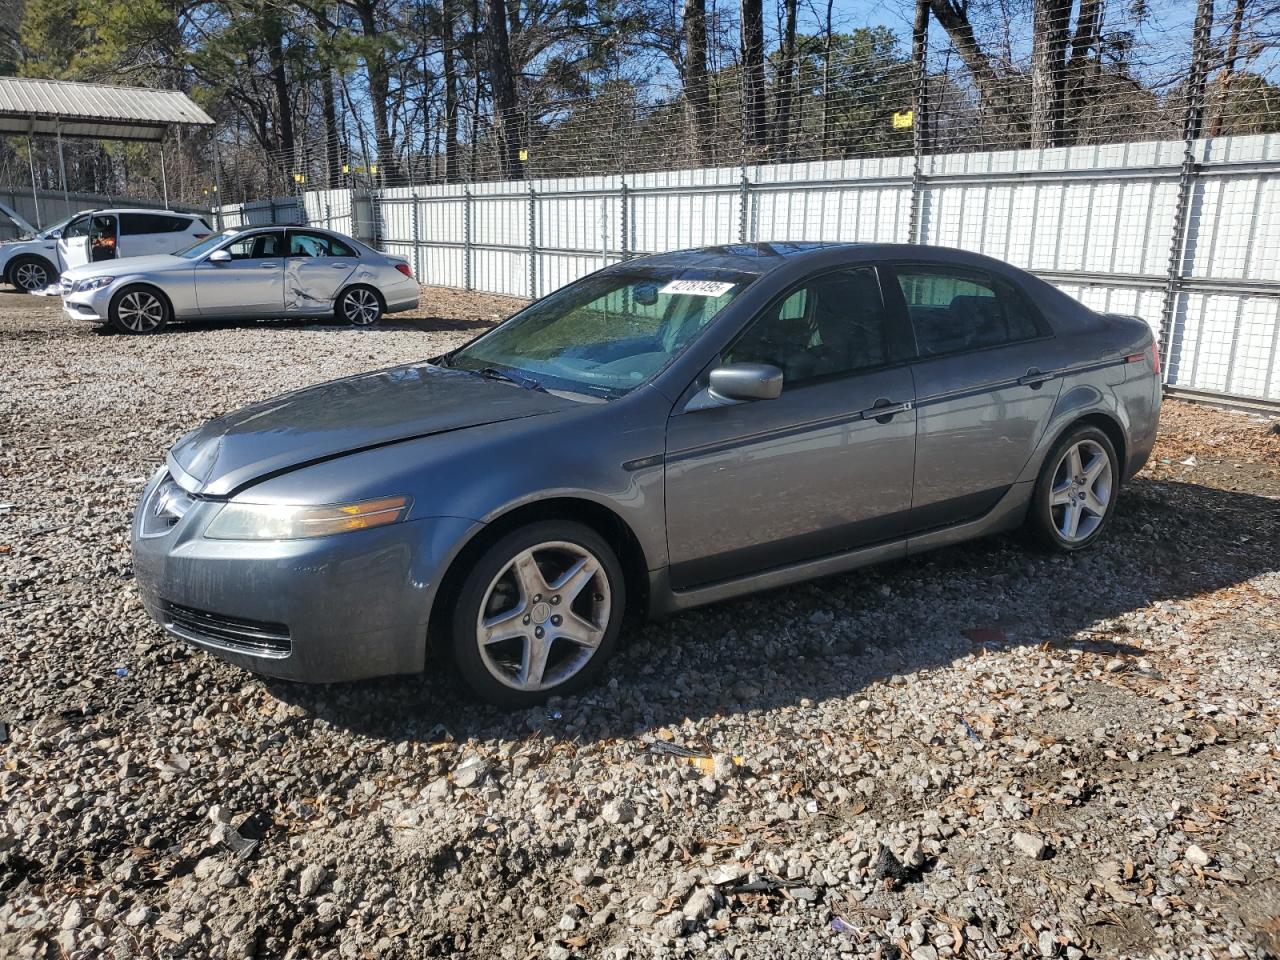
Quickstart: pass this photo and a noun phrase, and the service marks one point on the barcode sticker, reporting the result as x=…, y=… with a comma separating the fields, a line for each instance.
x=697, y=288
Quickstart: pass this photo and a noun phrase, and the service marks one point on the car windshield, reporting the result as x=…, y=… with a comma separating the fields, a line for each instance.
x=604, y=335
x=201, y=247
x=49, y=231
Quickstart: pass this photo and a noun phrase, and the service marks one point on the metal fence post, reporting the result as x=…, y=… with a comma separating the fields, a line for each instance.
x=533, y=244
x=625, y=225
x=744, y=205
x=919, y=52
x=466, y=239
x=417, y=248
x=1178, y=243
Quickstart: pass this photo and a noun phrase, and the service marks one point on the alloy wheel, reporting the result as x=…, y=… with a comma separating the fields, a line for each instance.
x=543, y=616
x=31, y=276
x=1081, y=492
x=140, y=312
x=361, y=307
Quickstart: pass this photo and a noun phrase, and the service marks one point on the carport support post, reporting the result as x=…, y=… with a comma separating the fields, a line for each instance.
x=164, y=177
x=35, y=191
x=217, y=185
x=62, y=170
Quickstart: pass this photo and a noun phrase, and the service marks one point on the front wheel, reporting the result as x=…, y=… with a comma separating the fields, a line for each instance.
x=1075, y=494
x=360, y=307
x=137, y=310
x=31, y=274
x=538, y=615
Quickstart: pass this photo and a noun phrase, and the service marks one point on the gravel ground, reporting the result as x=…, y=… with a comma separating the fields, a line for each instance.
x=985, y=752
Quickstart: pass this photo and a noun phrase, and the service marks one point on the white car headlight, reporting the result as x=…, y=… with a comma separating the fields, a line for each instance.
x=286, y=521
x=93, y=283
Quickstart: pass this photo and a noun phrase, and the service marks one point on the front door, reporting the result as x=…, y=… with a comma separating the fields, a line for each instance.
x=767, y=483
x=251, y=284
x=73, y=245
x=984, y=389
x=317, y=267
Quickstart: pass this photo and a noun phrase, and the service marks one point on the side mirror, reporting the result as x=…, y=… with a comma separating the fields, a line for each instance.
x=220, y=256
x=55, y=234
x=746, y=381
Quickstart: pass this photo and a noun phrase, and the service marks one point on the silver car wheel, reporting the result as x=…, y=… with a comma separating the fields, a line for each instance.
x=543, y=616
x=1080, y=495
x=140, y=312
x=361, y=307
x=31, y=276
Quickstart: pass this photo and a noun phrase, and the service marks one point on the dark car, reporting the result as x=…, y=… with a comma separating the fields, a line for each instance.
x=667, y=432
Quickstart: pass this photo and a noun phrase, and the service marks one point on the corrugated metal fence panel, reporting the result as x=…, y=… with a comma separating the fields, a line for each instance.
x=1098, y=221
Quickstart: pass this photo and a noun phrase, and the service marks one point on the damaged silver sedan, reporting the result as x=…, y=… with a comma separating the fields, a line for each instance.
x=256, y=273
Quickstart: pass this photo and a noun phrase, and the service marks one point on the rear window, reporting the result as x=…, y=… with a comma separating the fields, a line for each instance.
x=302, y=244
x=132, y=224
x=956, y=311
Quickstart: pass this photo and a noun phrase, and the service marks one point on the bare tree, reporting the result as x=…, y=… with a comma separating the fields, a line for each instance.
x=502, y=81
x=786, y=82
x=753, y=97
x=696, y=91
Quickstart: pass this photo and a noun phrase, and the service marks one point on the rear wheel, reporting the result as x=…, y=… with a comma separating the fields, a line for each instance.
x=1075, y=494
x=137, y=310
x=538, y=615
x=360, y=307
x=31, y=273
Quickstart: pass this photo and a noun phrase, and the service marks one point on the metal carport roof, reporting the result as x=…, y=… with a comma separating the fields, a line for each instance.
x=93, y=110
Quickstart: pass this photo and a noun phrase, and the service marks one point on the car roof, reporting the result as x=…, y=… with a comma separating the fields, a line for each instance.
x=160, y=210
x=763, y=258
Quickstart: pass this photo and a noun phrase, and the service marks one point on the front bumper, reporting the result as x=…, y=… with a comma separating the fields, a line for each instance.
x=343, y=607
x=90, y=305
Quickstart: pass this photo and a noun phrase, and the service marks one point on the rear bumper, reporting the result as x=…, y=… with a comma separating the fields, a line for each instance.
x=325, y=609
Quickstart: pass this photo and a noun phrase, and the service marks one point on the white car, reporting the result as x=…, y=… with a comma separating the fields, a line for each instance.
x=91, y=237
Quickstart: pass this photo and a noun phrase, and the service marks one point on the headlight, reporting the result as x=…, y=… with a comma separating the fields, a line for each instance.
x=93, y=283
x=280, y=521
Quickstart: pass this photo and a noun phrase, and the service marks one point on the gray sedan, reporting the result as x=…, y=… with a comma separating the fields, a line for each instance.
x=667, y=432
x=263, y=272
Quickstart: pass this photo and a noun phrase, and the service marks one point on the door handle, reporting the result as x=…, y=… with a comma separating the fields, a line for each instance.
x=884, y=408
x=339, y=266
x=1034, y=379
x=268, y=266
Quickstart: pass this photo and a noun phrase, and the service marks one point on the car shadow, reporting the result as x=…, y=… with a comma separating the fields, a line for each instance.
x=827, y=639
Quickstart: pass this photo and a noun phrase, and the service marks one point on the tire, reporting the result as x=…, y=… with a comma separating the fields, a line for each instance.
x=528, y=611
x=1061, y=495
x=360, y=306
x=138, y=310
x=31, y=273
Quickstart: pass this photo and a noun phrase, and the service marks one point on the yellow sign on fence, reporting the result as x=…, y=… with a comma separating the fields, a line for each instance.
x=902, y=119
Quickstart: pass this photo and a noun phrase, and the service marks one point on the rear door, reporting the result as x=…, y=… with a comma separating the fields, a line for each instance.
x=984, y=384
x=251, y=285
x=317, y=267
x=814, y=472
x=146, y=234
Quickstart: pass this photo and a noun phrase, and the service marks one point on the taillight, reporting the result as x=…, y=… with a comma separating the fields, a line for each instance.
x=404, y=268
x=1152, y=353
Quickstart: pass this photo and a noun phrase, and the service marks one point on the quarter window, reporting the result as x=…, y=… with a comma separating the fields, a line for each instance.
x=835, y=324
x=953, y=312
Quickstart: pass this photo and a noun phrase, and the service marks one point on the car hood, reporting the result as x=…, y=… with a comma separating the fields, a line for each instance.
x=345, y=416
x=126, y=266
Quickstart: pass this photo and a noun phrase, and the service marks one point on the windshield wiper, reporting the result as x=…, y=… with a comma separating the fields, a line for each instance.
x=493, y=373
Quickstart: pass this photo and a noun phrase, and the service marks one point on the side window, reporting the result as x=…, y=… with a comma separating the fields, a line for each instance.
x=957, y=311
x=79, y=227
x=255, y=246
x=834, y=324
x=316, y=245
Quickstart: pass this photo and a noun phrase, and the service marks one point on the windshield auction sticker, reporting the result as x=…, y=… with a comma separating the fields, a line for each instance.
x=697, y=288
